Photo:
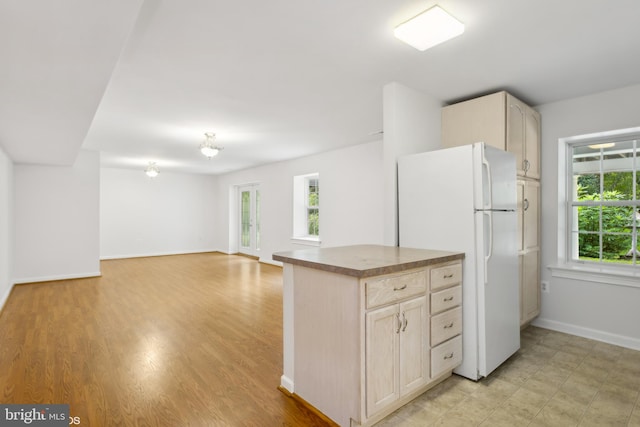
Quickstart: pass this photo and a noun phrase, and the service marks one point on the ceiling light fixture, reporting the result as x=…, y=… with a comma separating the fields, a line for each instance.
x=152, y=170
x=431, y=27
x=208, y=147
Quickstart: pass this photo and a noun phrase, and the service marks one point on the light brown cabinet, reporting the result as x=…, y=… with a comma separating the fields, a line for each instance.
x=529, y=248
x=358, y=336
x=500, y=120
x=505, y=122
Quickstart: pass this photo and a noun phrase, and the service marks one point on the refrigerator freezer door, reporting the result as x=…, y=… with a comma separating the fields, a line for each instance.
x=498, y=290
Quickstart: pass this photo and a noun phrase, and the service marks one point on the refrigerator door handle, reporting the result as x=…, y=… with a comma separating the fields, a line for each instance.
x=486, y=191
x=489, y=239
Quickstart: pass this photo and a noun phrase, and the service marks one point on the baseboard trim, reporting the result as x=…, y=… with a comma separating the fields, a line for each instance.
x=594, y=334
x=4, y=298
x=154, y=254
x=56, y=277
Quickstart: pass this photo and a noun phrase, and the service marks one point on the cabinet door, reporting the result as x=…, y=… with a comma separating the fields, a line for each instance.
x=477, y=120
x=532, y=143
x=383, y=327
x=530, y=215
x=529, y=286
x=516, y=131
x=414, y=346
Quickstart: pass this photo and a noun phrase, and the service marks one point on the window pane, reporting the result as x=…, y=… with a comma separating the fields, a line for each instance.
x=588, y=218
x=589, y=247
x=617, y=219
x=313, y=222
x=618, y=185
x=257, y=219
x=313, y=193
x=245, y=237
x=615, y=248
x=586, y=187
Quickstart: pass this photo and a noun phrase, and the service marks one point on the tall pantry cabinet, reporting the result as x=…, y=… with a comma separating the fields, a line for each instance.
x=505, y=122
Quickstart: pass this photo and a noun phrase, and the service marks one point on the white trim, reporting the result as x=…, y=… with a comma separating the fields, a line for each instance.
x=60, y=277
x=307, y=241
x=123, y=256
x=594, y=334
x=286, y=383
x=5, y=297
x=609, y=276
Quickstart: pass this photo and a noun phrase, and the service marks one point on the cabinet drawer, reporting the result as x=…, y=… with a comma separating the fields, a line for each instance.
x=444, y=300
x=446, y=325
x=394, y=288
x=443, y=277
x=446, y=356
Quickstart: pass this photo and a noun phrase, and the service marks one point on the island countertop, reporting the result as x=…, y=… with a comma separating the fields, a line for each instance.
x=365, y=260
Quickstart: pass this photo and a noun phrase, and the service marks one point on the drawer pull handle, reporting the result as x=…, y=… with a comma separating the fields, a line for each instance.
x=448, y=276
x=403, y=287
x=450, y=325
x=448, y=299
x=448, y=356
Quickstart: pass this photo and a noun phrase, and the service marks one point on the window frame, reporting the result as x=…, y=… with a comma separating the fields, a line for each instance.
x=601, y=203
x=566, y=267
x=302, y=209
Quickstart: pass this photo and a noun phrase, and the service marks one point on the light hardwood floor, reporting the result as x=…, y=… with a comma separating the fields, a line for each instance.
x=189, y=340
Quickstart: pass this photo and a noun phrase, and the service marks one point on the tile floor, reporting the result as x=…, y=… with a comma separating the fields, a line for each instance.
x=555, y=379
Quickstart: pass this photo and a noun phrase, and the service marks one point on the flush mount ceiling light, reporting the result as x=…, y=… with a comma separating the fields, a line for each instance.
x=208, y=147
x=152, y=170
x=431, y=27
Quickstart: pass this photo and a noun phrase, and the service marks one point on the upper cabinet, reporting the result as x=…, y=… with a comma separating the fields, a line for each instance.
x=500, y=120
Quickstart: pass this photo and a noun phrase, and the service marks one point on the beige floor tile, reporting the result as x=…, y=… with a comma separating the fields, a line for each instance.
x=566, y=360
x=555, y=380
x=495, y=390
x=525, y=404
x=502, y=417
x=472, y=409
x=634, y=420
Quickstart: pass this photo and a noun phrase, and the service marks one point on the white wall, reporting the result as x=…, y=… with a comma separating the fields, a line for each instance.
x=170, y=214
x=412, y=124
x=6, y=226
x=583, y=307
x=351, y=202
x=56, y=220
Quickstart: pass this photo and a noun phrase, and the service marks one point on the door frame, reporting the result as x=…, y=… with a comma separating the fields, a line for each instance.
x=254, y=244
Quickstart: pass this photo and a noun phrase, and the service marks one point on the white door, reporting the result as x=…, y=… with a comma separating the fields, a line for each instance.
x=249, y=221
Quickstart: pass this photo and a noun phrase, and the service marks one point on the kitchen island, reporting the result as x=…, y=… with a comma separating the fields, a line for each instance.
x=368, y=328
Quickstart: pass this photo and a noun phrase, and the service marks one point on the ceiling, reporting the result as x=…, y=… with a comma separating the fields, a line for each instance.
x=142, y=81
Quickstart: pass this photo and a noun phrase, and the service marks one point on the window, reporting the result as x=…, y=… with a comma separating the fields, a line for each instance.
x=306, y=207
x=603, y=201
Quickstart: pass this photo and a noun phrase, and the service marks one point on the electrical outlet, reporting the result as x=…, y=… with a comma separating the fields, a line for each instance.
x=545, y=286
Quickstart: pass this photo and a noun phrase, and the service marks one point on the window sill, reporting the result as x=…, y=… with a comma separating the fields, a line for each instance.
x=307, y=241
x=592, y=273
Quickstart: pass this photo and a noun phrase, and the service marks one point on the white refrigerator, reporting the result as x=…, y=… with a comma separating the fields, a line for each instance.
x=464, y=199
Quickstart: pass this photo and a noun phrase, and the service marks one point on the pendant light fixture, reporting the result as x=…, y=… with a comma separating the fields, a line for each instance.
x=208, y=147
x=152, y=170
